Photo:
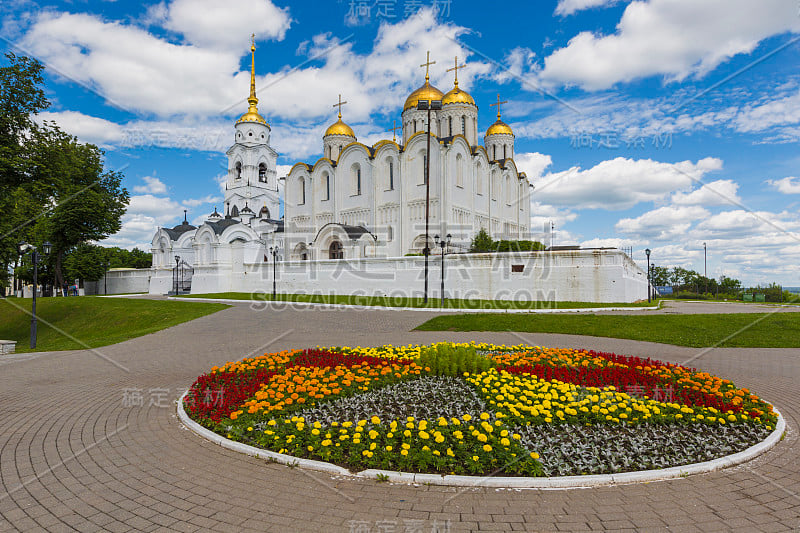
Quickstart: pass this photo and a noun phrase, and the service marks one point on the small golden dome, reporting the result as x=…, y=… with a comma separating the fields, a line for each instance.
x=457, y=96
x=252, y=115
x=499, y=127
x=340, y=128
x=426, y=92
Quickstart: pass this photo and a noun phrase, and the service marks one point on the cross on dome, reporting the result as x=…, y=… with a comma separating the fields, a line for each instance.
x=456, y=68
x=498, y=104
x=427, y=65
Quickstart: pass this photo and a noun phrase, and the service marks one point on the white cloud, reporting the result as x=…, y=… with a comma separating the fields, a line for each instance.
x=720, y=192
x=532, y=163
x=196, y=202
x=218, y=24
x=568, y=7
x=674, y=38
x=663, y=223
x=101, y=132
x=620, y=183
x=152, y=185
x=766, y=115
x=161, y=209
x=788, y=185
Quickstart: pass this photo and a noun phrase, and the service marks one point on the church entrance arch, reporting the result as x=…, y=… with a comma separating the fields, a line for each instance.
x=335, y=250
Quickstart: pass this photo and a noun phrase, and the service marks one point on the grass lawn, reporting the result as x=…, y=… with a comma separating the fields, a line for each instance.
x=94, y=321
x=409, y=302
x=747, y=330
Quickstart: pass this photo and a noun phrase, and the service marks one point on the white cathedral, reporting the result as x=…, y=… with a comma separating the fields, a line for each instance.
x=361, y=201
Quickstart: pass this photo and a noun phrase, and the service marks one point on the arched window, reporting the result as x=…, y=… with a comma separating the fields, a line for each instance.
x=463, y=125
x=415, y=126
x=264, y=213
x=262, y=173
x=391, y=174
x=326, y=179
x=335, y=250
x=235, y=211
x=459, y=171
x=355, y=188
x=504, y=151
x=301, y=193
x=450, y=126
x=237, y=172
x=494, y=152
x=479, y=179
x=389, y=234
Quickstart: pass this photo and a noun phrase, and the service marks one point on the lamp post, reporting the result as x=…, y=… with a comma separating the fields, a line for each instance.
x=274, y=251
x=177, y=274
x=46, y=249
x=705, y=265
x=105, y=278
x=443, y=244
x=428, y=105
x=647, y=253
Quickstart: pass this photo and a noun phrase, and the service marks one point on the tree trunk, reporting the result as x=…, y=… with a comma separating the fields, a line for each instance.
x=59, y=275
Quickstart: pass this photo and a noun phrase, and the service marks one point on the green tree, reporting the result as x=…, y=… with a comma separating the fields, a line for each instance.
x=87, y=201
x=86, y=262
x=482, y=242
x=660, y=276
x=21, y=96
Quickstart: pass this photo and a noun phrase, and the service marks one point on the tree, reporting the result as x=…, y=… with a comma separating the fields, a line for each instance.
x=86, y=262
x=482, y=242
x=21, y=96
x=660, y=276
x=86, y=201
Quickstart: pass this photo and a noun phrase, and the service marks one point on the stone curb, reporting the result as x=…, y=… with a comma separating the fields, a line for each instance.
x=429, y=309
x=564, y=482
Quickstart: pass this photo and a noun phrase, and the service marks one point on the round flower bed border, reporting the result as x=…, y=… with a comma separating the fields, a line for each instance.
x=564, y=482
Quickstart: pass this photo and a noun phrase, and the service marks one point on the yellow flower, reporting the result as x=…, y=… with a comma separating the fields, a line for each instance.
x=467, y=417
x=482, y=437
x=375, y=420
x=484, y=416
x=326, y=442
x=534, y=455
x=487, y=448
x=424, y=435
x=388, y=448
x=474, y=457
x=505, y=442
x=403, y=452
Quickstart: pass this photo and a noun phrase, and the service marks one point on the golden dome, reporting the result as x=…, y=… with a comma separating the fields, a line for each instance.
x=252, y=115
x=340, y=128
x=499, y=127
x=426, y=92
x=457, y=96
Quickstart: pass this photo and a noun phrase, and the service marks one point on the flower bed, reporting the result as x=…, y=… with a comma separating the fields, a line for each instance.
x=479, y=409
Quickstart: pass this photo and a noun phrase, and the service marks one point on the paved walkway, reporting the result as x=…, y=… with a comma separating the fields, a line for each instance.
x=77, y=452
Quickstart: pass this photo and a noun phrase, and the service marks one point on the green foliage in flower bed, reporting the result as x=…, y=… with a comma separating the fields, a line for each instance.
x=453, y=360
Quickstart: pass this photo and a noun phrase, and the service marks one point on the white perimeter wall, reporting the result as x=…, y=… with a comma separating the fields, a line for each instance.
x=121, y=282
x=580, y=275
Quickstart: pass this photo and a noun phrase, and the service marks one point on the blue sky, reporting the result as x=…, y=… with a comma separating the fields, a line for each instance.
x=657, y=123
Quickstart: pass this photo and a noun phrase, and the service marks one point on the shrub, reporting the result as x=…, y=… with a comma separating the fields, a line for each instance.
x=448, y=360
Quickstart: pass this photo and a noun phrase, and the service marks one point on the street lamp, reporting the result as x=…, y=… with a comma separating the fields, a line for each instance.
x=443, y=244
x=177, y=274
x=105, y=277
x=705, y=265
x=647, y=253
x=274, y=251
x=22, y=248
x=428, y=105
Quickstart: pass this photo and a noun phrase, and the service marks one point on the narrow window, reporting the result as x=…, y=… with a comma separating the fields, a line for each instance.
x=450, y=126
x=494, y=152
x=391, y=175
x=327, y=187
x=504, y=151
x=424, y=169
x=238, y=170
x=463, y=125
x=302, y=191
x=358, y=181
x=262, y=173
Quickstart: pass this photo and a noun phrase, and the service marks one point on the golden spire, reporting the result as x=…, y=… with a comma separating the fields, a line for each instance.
x=253, y=100
x=456, y=68
x=427, y=65
x=252, y=114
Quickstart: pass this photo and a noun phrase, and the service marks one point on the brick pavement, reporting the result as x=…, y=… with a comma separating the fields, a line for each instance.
x=74, y=457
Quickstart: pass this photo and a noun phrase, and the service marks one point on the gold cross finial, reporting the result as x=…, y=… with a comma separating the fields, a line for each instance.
x=498, y=104
x=253, y=100
x=427, y=65
x=456, y=68
x=339, y=105
x=253, y=42
x=394, y=130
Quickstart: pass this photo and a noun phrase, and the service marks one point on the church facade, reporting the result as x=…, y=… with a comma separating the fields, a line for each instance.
x=370, y=201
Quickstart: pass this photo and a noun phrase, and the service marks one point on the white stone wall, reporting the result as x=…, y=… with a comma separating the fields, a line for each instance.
x=581, y=275
x=121, y=282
